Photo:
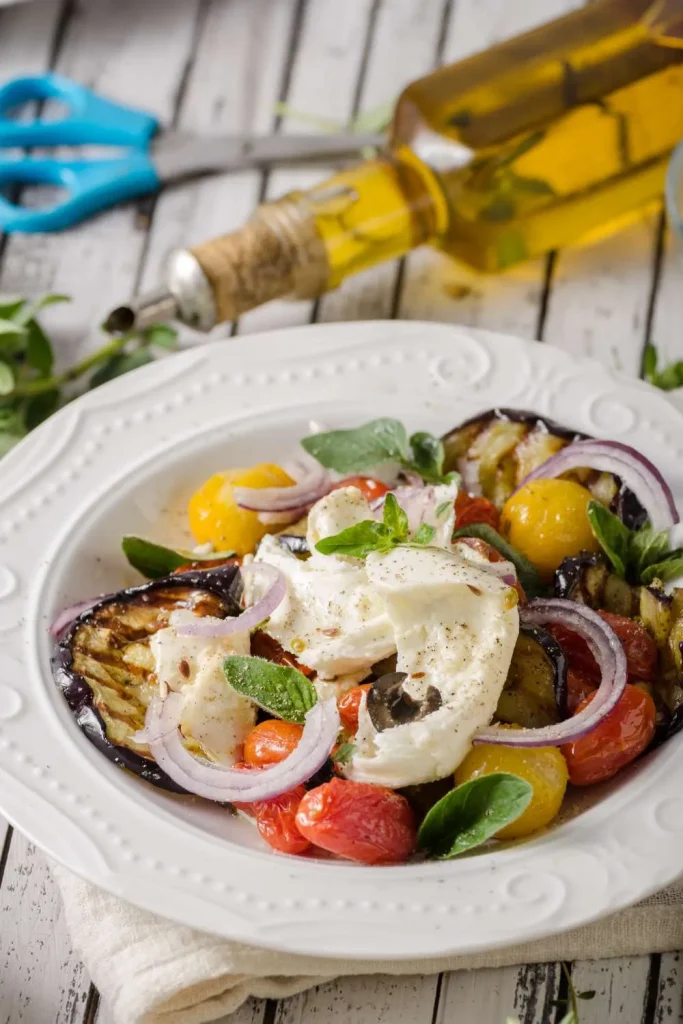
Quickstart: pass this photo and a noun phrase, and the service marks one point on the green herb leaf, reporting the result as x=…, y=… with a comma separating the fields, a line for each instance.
x=11, y=329
x=428, y=456
x=283, y=691
x=394, y=517
x=650, y=363
x=669, y=378
x=664, y=571
x=359, y=540
x=30, y=309
x=40, y=407
x=472, y=813
x=10, y=307
x=424, y=534
x=163, y=335
x=343, y=753
x=527, y=573
x=647, y=548
x=155, y=560
x=120, y=364
x=39, y=354
x=6, y=379
x=613, y=536
x=351, y=451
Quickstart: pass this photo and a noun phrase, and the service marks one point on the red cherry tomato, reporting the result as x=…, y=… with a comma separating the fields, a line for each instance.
x=270, y=742
x=355, y=820
x=265, y=646
x=469, y=509
x=639, y=647
x=579, y=687
x=624, y=734
x=276, y=820
x=370, y=488
x=349, y=706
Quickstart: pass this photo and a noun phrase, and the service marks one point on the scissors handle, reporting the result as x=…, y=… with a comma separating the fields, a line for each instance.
x=92, y=185
x=90, y=118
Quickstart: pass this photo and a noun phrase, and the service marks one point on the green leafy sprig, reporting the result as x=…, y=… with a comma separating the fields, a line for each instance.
x=279, y=689
x=380, y=441
x=30, y=387
x=638, y=556
x=155, y=561
x=369, y=535
x=668, y=378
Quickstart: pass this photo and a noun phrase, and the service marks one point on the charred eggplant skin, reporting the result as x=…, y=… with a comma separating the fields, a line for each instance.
x=223, y=582
x=525, y=416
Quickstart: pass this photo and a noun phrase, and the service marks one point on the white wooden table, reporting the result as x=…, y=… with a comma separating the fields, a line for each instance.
x=221, y=65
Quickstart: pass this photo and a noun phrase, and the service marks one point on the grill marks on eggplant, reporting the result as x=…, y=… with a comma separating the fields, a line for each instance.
x=105, y=668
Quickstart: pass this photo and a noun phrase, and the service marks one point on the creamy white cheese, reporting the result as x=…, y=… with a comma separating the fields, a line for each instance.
x=214, y=715
x=455, y=629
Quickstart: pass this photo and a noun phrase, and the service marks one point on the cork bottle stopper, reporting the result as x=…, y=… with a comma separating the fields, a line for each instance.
x=278, y=252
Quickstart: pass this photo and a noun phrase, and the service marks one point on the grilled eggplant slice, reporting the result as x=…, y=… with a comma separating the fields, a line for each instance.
x=586, y=578
x=496, y=450
x=105, y=669
x=535, y=691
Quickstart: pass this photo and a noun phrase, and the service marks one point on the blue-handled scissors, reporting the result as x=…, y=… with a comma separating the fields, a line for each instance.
x=152, y=157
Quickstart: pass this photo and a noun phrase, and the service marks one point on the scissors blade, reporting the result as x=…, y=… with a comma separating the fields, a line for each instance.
x=178, y=155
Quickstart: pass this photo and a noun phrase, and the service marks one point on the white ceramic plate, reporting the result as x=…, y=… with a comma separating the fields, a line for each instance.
x=111, y=464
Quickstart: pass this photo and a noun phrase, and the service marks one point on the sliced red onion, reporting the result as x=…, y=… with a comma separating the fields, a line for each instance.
x=67, y=616
x=252, y=616
x=312, y=482
x=415, y=502
x=607, y=650
x=236, y=785
x=633, y=469
x=283, y=518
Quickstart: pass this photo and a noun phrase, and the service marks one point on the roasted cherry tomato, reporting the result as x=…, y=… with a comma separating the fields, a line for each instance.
x=270, y=742
x=544, y=768
x=265, y=646
x=276, y=820
x=370, y=488
x=547, y=520
x=216, y=517
x=349, y=706
x=624, y=734
x=579, y=686
x=469, y=509
x=358, y=821
x=639, y=647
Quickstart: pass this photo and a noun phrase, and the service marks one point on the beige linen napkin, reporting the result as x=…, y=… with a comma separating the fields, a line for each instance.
x=151, y=971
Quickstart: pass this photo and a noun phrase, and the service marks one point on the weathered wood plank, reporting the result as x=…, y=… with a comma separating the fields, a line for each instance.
x=436, y=288
x=666, y=320
x=376, y=999
x=27, y=35
x=620, y=987
x=325, y=81
x=480, y=997
x=669, y=1004
x=41, y=978
x=238, y=68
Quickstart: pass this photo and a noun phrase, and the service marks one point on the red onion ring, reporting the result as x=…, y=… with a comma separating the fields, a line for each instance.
x=230, y=785
x=251, y=617
x=607, y=650
x=312, y=482
x=633, y=469
x=67, y=616
x=283, y=518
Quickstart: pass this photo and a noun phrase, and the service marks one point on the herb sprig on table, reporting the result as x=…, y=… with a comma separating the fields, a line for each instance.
x=31, y=388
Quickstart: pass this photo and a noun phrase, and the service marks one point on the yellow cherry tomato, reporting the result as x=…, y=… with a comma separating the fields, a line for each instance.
x=216, y=518
x=544, y=768
x=547, y=520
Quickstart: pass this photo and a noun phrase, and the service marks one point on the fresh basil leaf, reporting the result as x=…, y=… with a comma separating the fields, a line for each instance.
x=30, y=309
x=10, y=307
x=40, y=407
x=427, y=456
x=11, y=329
x=614, y=538
x=647, y=548
x=472, y=813
x=155, y=560
x=395, y=519
x=667, y=379
x=39, y=354
x=424, y=534
x=120, y=364
x=6, y=378
x=163, y=335
x=282, y=690
x=350, y=451
x=650, y=363
x=359, y=540
x=527, y=573
x=343, y=753
x=664, y=571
